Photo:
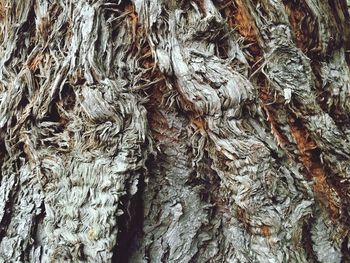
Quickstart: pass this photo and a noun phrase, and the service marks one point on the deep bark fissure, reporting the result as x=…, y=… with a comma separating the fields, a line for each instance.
x=307, y=240
x=38, y=218
x=130, y=224
x=345, y=250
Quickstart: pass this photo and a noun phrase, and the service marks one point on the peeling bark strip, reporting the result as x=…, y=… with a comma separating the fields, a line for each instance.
x=174, y=131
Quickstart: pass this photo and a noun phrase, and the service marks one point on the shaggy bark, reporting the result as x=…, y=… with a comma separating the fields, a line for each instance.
x=174, y=131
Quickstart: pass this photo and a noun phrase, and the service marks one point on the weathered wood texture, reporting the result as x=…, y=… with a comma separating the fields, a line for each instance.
x=174, y=131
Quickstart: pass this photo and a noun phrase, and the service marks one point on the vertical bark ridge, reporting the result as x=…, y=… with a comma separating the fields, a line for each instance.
x=181, y=222
x=68, y=73
x=194, y=65
x=301, y=107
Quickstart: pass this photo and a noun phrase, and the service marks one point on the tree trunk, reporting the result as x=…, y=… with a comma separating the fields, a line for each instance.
x=174, y=131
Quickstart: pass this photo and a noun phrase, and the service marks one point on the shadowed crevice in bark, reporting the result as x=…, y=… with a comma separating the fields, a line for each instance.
x=310, y=157
x=38, y=218
x=345, y=250
x=307, y=240
x=130, y=224
x=341, y=15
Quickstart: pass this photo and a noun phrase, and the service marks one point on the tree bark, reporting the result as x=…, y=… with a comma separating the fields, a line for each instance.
x=174, y=131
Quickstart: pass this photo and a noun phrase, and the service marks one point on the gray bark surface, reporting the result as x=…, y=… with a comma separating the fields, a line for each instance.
x=174, y=131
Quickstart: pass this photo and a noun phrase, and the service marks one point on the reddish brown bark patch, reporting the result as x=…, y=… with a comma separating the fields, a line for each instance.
x=2, y=11
x=238, y=17
x=265, y=230
x=35, y=62
x=241, y=21
x=199, y=122
x=304, y=25
x=269, y=104
x=243, y=217
x=157, y=122
x=310, y=157
x=131, y=12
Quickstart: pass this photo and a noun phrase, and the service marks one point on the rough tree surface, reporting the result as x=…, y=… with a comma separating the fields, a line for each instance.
x=174, y=131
